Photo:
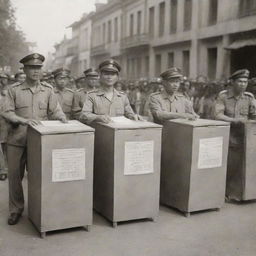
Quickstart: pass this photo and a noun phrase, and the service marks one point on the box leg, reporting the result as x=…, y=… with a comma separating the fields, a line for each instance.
x=154, y=219
x=187, y=214
x=114, y=224
x=3, y=176
x=43, y=235
x=87, y=228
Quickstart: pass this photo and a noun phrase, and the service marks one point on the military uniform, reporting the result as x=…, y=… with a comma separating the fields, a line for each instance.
x=64, y=95
x=80, y=94
x=161, y=104
x=23, y=101
x=66, y=99
x=97, y=103
x=243, y=107
x=79, y=99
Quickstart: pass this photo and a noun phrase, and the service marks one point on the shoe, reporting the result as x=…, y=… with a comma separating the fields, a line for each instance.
x=14, y=218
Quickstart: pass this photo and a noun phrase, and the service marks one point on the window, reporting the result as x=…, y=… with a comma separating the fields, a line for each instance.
x=170, y=59
x=186, y=61
x=247, y=7
x=109, y=31
x=187, y=14
x=158, y=63
x=213, y=12
x=86, y=39
x=131, y=24
x=173, y=17
x=104, y=33
x=147, y=65
x=212, y=62
x=151, y=22
x=116, y=29
x=139, y=23
x=161, y=18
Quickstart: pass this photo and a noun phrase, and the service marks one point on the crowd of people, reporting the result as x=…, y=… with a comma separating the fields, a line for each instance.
x=32, y=95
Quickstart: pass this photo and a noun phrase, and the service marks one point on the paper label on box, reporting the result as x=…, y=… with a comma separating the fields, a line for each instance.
x=68, y=164
x=210, y=153
x=139, y=157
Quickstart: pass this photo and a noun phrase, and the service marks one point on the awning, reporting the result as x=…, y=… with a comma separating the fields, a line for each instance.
x=241, y=43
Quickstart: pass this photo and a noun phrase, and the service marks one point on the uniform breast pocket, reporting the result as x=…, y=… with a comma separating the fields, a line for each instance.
x=244, y=111
x=22, y=108
x=67, y=107
x=42, y=109
x=119, y=111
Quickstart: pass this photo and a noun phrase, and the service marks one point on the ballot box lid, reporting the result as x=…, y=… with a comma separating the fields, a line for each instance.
x=57, y=127
x=132, y=125
x=199, y=122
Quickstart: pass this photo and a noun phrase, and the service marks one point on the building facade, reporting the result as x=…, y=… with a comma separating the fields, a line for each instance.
x=202, y=37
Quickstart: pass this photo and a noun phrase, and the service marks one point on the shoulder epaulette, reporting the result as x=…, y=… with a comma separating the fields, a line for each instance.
x=15, y=84
x=249, y=94
x=154, y=93
x=93, y=91
x=70, y=90
x=46, y=84
x=223, y=92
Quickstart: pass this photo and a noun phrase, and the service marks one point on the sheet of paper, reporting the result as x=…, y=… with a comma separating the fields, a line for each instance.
x=68, y=164
x=210, y=153
x=139, y=157
x=56, y=123
x=121, y=120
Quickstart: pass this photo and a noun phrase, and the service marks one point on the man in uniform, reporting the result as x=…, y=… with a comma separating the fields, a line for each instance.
x=236, y=106
x=169, y=103
x=91, y=82
x=3, y=126
x=26, y=104
x=65, y=95
x=102, y=104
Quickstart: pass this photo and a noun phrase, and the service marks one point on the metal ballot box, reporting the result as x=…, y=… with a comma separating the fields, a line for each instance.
x=241, y=175
x=194, y=164
x=127, y=170
x=60, y=175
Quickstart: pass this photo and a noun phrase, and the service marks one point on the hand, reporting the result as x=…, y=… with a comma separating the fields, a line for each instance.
x=239, y=120
x=139, y=118
x=189, y=116
x=104, y=119
x=64, y=120
x=32, y=122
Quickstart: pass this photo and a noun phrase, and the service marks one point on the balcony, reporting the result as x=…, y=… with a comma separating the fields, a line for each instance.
x=135, y=41
x=99, y=50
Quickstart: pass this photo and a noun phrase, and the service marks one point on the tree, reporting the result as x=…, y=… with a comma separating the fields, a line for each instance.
x=13, y=44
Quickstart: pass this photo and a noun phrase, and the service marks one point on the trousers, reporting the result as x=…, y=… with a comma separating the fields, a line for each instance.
x=17, y=157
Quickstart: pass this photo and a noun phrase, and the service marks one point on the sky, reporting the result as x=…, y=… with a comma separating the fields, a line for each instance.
x=45, y=21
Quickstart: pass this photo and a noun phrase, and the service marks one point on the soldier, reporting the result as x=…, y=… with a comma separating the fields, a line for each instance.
x=106, y=101
x=26, y=104
x=171, y=104
x=3, y=126
x=236, y=106
x=89, y=84
x=65, y=95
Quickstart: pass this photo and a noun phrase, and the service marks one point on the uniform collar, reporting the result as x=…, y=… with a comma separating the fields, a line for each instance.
x=102, y=93
x=170, y=97
x=230, y=94
x=56, y=90
x=26, y=86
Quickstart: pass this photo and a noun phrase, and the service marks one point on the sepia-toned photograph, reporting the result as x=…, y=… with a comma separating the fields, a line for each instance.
x=127, y=127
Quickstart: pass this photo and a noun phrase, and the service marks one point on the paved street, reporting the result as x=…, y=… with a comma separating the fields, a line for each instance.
x=230, y=232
